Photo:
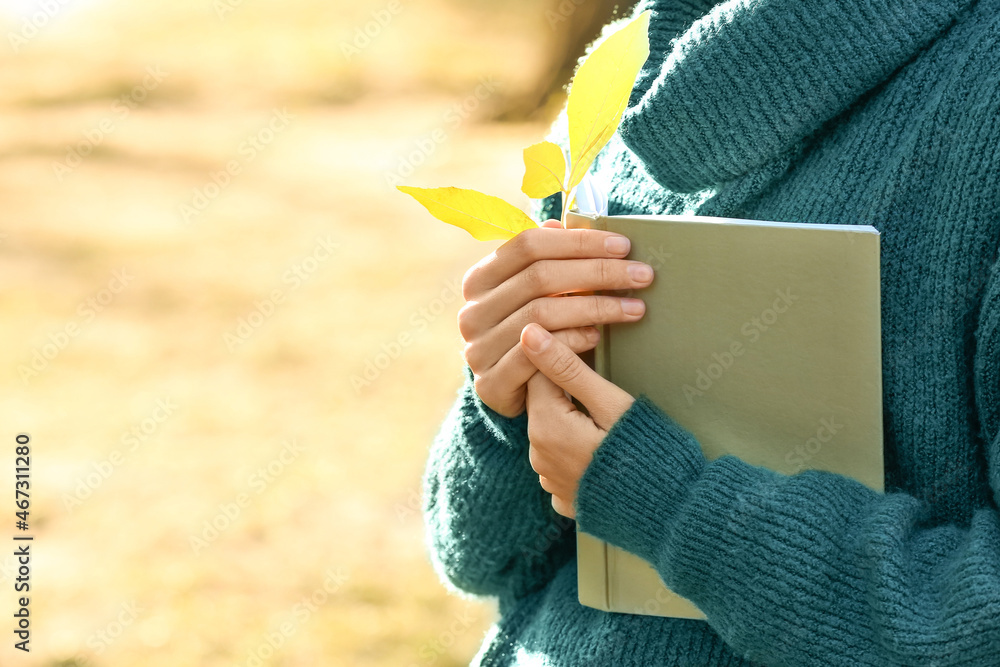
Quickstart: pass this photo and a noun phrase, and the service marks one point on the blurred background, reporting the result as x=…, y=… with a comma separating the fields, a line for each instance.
x=229, y=338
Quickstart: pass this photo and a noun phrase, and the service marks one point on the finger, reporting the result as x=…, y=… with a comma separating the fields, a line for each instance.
x=551, y=412
x=539, y=243
x=549, y=277
x=513, y=365
x=552, y=313
x=563, y=507
x=515, y=369
x=546, y=400
x=551, y=487
x=552, y=224
x=552, y=418
x=604, y=400
x=546, y=484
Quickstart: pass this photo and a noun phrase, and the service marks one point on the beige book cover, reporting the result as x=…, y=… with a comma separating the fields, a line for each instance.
x=763, y=340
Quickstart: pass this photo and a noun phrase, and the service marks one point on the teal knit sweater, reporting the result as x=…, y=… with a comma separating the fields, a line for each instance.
x=879, y=112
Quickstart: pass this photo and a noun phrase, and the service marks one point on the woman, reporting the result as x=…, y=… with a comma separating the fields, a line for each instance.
x=880, y=112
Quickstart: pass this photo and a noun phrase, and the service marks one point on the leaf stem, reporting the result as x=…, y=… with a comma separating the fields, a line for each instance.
x=565, y=208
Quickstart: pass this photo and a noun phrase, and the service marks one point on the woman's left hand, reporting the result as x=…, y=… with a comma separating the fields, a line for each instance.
x=563, y=439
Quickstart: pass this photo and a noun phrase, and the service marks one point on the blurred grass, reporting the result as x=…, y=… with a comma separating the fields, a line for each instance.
x=349, y=503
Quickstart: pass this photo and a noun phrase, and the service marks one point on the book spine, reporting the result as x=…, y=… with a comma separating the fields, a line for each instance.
x=593, y=583
x=602, y=365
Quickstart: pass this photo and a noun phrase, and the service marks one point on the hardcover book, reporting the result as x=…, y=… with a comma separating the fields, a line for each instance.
x=762, y=339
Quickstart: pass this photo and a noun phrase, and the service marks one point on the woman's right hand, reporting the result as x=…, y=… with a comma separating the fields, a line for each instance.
x=521, y=282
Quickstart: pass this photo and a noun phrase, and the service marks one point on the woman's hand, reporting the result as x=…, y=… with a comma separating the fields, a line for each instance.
x=563, y=439
x=521, y=283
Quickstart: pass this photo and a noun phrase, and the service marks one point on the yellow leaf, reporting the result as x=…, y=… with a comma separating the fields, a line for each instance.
x=486, y=218
x=544, y=170
x=600, y=91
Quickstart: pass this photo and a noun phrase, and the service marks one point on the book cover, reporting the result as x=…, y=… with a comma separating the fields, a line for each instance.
x=762, y=339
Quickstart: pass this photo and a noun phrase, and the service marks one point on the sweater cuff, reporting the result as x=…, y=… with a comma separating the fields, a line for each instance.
x=638, y=479
x=511, y=431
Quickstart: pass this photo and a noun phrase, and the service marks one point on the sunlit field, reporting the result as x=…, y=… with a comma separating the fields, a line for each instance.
x=230, y=340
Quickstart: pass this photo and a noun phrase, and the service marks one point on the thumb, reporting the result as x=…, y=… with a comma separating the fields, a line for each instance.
x=604, y=400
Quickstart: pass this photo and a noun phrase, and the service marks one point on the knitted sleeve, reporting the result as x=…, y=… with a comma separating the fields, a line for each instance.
x=815, y=568
x=490, y=525
x=669, y=19
x=750, y=80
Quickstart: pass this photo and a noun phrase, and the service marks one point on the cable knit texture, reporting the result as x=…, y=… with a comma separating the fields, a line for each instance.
x=879, y=112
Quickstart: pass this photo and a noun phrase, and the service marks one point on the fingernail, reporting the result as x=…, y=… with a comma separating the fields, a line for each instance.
x=536, y=338
x=617, y=245
x=593, y=335
x=639, y=272
x=633, y=306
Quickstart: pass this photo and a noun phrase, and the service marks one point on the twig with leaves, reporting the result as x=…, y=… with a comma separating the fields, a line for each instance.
x=597, y=98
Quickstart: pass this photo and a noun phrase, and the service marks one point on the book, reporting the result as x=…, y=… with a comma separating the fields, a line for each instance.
x=763, y=339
